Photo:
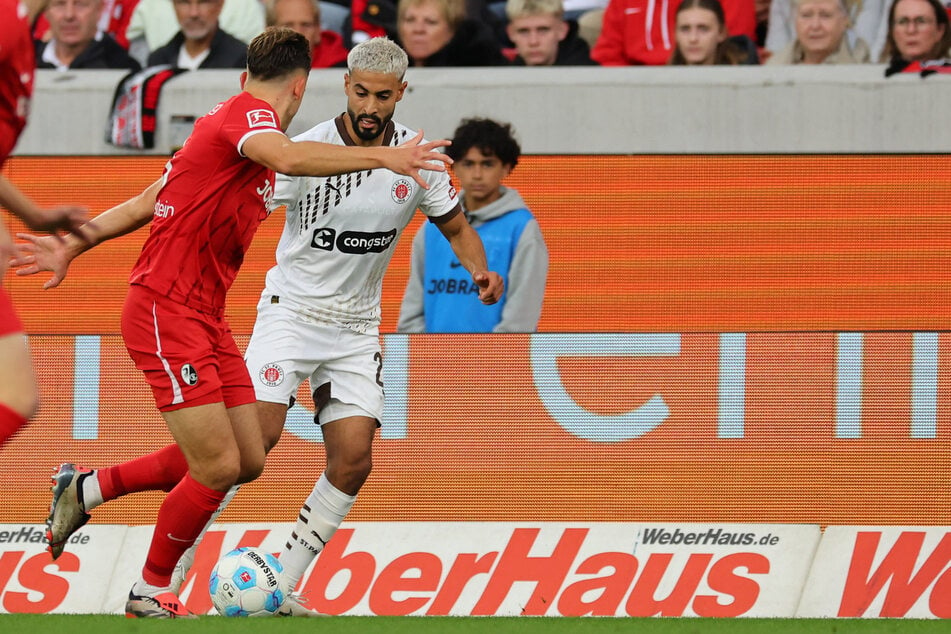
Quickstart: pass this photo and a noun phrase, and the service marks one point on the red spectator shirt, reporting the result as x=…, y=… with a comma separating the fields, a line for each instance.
x=211, y=202
x=16, y=73
x=330, y=51
x=636, y=32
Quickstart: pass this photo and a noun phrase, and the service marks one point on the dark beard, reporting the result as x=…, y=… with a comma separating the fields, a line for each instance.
x=367, y=135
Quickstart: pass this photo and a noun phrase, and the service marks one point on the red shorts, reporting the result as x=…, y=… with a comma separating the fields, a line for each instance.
x=9, y=322
x=189, y=358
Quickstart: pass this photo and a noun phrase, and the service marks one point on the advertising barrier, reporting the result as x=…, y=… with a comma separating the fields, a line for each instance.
x=884, y=571
x=481, y=569
x=528, y=569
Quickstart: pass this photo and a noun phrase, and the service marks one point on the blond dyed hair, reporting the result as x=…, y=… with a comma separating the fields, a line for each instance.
x=515, y=9
x=453, y=10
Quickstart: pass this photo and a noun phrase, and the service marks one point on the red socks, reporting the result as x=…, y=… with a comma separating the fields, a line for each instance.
x=181, y=518
x=10, y=422
x=159, y=470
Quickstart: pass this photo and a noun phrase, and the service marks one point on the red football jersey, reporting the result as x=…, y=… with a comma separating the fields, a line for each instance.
x=211, y=202
x=16, y=73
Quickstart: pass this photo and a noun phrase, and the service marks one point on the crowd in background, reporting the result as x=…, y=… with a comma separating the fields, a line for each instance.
x=195, y=34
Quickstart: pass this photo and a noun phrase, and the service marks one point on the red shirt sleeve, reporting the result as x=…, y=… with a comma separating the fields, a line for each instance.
x=249, y=118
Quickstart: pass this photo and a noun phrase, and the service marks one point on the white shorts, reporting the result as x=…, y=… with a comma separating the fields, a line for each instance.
x=343, y=366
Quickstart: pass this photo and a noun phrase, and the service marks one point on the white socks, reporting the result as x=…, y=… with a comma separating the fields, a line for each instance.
x=319, y=518
x=144, y=589
x=91, y=493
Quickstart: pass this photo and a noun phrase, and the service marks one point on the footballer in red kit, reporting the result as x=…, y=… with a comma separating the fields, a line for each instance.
x=19, y=392
x=16, y=73
x=210, y=204
x=16, y=86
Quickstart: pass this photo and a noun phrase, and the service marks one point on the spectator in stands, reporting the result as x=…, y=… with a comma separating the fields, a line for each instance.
x=821, y=36
x=702, y=39
x=438, y=33
x=154, y=22
x=382, y=14
x=542, y=36
x=77, y=42
x=368, y=19
x=200, y=42
x=113, y=20
x=868, y=21
x=918, y=30
x=440, y=295
x=636, y=32
x=303, y=16
x=573, y=9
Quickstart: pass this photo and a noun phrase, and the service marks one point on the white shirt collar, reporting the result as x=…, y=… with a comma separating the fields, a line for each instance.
x=191, y=63
x=49, y=54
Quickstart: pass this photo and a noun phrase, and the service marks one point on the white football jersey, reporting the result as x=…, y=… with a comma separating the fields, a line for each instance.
x=340, y=232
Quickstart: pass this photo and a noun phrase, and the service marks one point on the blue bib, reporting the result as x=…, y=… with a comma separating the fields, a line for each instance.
x=450, y=297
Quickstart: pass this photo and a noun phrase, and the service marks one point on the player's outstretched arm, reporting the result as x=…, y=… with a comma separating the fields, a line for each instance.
x=65, y=217
x=311, y=158
x=468, y=247
x=54, y=253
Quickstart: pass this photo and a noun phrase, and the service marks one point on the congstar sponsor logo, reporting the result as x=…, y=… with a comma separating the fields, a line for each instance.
x=354, y=242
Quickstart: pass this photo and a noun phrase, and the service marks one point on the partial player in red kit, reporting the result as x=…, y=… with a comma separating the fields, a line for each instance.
x=204, y=212
x=19, y=396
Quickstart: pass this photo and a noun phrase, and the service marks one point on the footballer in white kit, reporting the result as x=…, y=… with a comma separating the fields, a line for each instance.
x=319, y=314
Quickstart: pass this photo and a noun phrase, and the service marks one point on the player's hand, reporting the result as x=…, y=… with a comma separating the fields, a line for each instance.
x=63, y=218
x=491, y=286
x=42, y=253
x=412, y=156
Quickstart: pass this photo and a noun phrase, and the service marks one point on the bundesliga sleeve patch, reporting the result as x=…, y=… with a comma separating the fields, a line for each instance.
x=261, y=119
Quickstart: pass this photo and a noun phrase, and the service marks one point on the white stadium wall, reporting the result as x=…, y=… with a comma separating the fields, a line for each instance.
x=834, y=109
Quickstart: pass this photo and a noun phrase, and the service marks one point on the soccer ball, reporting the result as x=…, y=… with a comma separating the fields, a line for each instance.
x=247, y=582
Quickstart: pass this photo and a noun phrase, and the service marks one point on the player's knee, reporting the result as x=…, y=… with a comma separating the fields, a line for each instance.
x=220, y=474
x=360, y=470
x=350, y=475
x=251, y=468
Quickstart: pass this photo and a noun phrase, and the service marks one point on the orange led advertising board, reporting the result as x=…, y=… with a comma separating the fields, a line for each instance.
x=824, y=428
x=637, y=243
x=724, y=339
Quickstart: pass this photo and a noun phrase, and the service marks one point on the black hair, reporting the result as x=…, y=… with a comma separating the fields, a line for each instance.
x=489, y=137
